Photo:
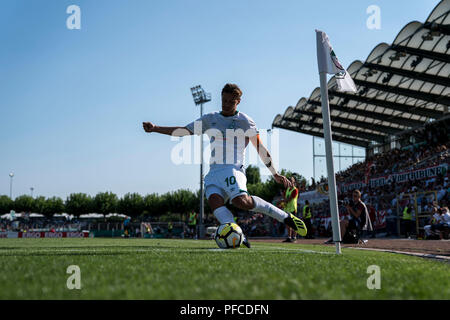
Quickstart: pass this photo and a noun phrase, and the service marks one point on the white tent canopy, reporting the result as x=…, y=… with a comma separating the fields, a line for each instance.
x=65, y=215
x=119, y=215
x=92, y=215
x=36, y=215
x=8, y=216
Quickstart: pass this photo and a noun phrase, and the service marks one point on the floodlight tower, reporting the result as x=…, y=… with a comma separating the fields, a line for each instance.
x=201, y=97
x=11, y=175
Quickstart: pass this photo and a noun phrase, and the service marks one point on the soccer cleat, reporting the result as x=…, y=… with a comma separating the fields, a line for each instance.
x=297, y=224
x=246, y=243
x=329, y=241
x=287, y=240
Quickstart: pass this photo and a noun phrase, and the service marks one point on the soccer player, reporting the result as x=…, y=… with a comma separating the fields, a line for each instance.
x=230, y=132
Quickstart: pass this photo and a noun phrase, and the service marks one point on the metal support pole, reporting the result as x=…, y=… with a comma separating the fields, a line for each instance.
x=202, y=203
x=330, y=166
x=353, y=158
x=10, y=185
x=314, y=160
x=200, y=97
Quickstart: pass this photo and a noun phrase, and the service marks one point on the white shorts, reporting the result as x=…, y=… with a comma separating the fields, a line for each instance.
x=229, y=183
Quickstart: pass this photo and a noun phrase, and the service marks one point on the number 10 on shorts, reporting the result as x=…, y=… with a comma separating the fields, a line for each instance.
x=230, y=181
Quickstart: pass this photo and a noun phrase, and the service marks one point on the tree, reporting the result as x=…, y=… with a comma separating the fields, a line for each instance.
x=270, y=188
x=39, y=204
x=183, y=201
x=253, y=175
x=152, y=204
x=105, y=202
x=298, y=177
x=132, y=204
x=53, y=205
x=24, y=203
x=6, y=204
x=79, y=203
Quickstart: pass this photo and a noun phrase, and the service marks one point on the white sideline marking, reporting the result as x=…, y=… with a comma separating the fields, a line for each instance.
x=416, y=254
x=301, y=250
x=272, y=249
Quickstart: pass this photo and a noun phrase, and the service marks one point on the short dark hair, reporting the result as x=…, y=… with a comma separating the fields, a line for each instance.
x=233, y=89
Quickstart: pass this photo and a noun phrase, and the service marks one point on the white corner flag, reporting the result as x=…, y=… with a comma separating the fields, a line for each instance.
x=329, y=63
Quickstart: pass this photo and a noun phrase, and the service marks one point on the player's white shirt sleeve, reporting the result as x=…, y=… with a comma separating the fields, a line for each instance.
x=249, y=126
x=200, y=125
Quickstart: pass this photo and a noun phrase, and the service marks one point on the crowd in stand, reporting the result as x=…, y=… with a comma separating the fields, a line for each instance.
x=396, y=161
x=433, y=149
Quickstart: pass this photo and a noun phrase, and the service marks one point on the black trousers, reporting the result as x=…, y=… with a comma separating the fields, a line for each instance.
x=192, y=228
x=408, y=224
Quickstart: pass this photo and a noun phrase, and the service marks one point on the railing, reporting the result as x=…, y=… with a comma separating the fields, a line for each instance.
x=418, y=199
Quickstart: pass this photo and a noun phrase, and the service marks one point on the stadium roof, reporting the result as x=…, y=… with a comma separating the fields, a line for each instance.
x=400, y=86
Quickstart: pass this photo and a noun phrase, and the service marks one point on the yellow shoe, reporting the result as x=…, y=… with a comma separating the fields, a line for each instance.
x=297, y=224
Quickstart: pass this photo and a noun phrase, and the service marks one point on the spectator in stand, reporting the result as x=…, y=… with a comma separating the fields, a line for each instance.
x=430, y=228
x=441, y=193
x=372, y=215
x=444, y=223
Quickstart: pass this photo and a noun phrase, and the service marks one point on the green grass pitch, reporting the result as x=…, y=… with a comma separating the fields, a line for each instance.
x=190, y=269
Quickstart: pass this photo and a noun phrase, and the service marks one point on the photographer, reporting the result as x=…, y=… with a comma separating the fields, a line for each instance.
x=359, y=220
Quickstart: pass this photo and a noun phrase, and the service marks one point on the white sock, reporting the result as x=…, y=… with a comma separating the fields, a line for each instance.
x=268, y=209
x=223, y=215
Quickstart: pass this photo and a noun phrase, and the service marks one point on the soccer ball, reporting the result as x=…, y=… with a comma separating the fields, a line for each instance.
x=229, y=236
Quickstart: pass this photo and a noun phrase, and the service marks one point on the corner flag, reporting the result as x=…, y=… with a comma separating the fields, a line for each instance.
x=329, y=63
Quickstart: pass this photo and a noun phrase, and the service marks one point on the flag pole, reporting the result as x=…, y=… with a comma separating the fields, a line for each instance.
x=330, y=165
x=328, y=63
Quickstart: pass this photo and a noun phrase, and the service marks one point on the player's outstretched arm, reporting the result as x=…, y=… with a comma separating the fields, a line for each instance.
x=267, y=160
x=171, y=131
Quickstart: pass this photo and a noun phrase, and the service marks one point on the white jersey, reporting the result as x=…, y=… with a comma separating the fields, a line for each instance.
x=445, y=218
x=229, y=137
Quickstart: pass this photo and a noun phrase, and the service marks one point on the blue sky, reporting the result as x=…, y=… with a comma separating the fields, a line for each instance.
x=72, y=101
